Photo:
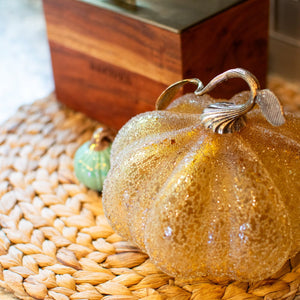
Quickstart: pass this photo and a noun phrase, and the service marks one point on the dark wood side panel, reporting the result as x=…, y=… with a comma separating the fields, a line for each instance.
x=235, y=38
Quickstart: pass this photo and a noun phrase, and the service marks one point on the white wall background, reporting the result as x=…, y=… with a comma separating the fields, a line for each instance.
x=25, y=67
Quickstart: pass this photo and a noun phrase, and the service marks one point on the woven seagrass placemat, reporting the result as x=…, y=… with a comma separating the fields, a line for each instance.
x=55, y=242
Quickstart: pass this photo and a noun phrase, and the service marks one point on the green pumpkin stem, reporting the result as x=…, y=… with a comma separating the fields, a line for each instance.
x=102, y=139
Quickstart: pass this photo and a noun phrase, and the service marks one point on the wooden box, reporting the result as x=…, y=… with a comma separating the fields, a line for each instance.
x=112, y=61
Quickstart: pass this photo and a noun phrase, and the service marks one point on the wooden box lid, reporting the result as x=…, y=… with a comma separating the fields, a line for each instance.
x=173, y=15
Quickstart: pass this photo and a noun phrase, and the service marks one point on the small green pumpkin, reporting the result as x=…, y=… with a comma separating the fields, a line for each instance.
x=92, y=159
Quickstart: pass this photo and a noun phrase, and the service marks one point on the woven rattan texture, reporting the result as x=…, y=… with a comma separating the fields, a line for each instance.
x=55, y=242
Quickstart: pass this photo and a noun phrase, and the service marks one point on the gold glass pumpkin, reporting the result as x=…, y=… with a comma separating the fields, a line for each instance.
x=202, y=203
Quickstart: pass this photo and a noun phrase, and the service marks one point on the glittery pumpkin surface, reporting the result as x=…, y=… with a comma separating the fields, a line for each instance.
x=204, y=204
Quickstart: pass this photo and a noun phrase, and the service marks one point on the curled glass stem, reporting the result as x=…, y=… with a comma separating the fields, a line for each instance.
x=226, y=117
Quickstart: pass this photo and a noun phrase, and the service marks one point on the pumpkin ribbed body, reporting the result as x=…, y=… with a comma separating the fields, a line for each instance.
x=204, y=204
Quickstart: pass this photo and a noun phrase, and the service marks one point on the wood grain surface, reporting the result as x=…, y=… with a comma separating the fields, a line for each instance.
x=114, y=38
x=235, y=39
